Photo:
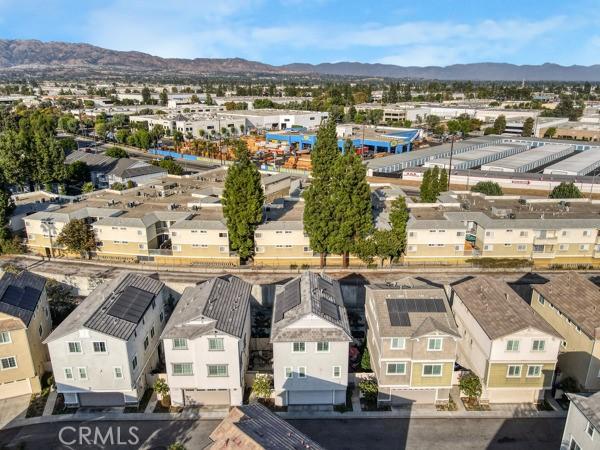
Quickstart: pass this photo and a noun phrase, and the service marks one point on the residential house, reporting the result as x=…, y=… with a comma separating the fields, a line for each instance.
x=310, y=334
x=570, y=303
x=206, y=343
x=102, y=352
x=412, y=341
x=582, y=427
x=24, y=323
x=503, y=341
x=255, y=427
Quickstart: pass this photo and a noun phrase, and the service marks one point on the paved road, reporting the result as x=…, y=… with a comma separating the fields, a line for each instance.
x=350, y=434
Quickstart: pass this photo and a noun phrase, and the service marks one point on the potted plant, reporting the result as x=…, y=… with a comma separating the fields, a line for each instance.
x=162, y=388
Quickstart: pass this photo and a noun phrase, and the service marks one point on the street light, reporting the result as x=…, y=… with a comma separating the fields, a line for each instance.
x=49, y=222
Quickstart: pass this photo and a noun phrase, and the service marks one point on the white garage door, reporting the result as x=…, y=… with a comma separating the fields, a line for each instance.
x=406, y=396
x=205, y=398
x=14, y=389
x=101, y=399
x=512, y=395
x=310, y=397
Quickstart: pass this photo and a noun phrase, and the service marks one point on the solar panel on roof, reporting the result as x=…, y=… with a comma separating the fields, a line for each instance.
x=404, y=319
x=329, y=308
x=421, y=305
x=24, y=298
x=131, y=304
x=290, y=298
x=439, y=305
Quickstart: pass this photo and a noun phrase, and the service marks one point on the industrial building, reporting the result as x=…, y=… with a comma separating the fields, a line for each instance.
x=581, y=163
x=530, y=160
x=477, y=158
x=279, y=119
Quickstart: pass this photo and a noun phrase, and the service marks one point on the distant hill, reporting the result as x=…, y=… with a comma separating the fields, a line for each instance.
x=31, y=56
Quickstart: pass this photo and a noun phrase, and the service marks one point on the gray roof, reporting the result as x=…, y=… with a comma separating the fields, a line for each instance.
x=96, y=312
x=131, y=168
x=97, y=162
x=20, y=294
x=261, y=426
x=224, y=300
x=421, y=323
x=281, y=225
x=497, y=308
x=589, y=405
x=577, y=298
x=146, y=220
x=306, y=293
x=193, y=224
x=81, y=213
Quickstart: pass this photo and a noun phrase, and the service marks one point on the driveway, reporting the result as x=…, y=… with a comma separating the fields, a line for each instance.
x=11, y=408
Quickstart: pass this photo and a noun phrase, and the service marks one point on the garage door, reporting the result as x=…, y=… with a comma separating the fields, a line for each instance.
x=14, y=389
x=101, y=399
x=205, y=398
x=511, y=395
x=405, y=396
x=310, y=397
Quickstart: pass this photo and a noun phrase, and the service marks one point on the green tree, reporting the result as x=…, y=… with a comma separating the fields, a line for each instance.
x=369, y=389
x=61, y=300
x=243, y=200
x=566, y=190
x=262, y=385
x=116, y=152
x=443, y=183
x=318, y=211
x=528, y=127
x=101, y=129
x=172, y=167
x=398, y=219
x=425, y=192
x=435, y=184
x=87, y=188
x=470, y=385
x=365, y=361
x=78, y=172
x=164, y=97
x=78, y=237
x=146, y=96
x=162, y=388
x=487, y=188
x=499, y=124
x=550, y=132
x=16, y=158
x=432, y=121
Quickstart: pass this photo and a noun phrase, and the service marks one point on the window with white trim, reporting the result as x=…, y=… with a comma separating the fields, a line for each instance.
x=74, y=347
x=118, y=372
x=288, y=372
x=589, y=429
x=5, y=337
x=298, y=347
x=99, y=347
x=68, y=373
x=573, y=445
x=182, y=369
x=398, y=343
x=534, y=371
x=323, y=347
x=216, y=345
x=432, y=370
x=179, y=343
x=512, y=345
x=513, y=371
x=538, y=345
x=301, y=372
x=337, y=372
x=434, y=344
x=217, y=370
x=396, y=368
x=82, y=372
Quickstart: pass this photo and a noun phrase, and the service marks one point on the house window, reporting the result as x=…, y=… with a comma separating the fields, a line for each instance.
x=68, y=373
x=513, y=371
x=521, y=247
x=574, y=445
x=99, y=347
x=146, y=342
x=216, y=345
x=589, y=429
x=118, y=372
x=74, y=347
x=217, y=370
x=337, y=372
x=82, y=371
x=534, y=371
x=301, y=372
x=432, y=370
x=322, y=347
x=152, y=332
x=40, y=330
x=396, y=368
x=182, y=369
x=288, y=373
x=538, y=345
x=5, y=337
x=434, y=344
x=180, y=344
x=541, y=299
x=512, y=345
x=298, y=347
x=398, y=343
x=134, y=362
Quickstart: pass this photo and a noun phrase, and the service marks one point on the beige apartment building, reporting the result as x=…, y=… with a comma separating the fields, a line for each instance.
x=504, y=341
x=24, y=323
x=570, y=303
x=412, y=341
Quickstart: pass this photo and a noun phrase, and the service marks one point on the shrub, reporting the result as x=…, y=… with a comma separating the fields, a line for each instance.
x=569, y=384
x=261, y=387
x=118, y=186
x=162, y=388
x=177, y=446
x=365, y=362
x=470, y=384
x=487, y=188
x=369, y=389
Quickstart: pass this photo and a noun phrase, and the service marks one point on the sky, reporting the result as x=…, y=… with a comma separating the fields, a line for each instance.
x=415, y=33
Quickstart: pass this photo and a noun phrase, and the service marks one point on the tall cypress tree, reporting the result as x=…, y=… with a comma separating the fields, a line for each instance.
x=435, y=184
x=243, y=200
x=351, y=204
x=443, y=184
x=425, y=189
x=318, y=211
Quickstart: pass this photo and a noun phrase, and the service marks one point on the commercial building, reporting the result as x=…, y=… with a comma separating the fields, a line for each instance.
x=582, y=163
x=568, y=302
x=412, y=341
x=24, y=324
x=503, y=341
x=206, y=343
x=531, y=159
x=582, y=428
x=310, y=334
x=279, y=119
x=196, y=124
x=476, y=158
x=102, y=352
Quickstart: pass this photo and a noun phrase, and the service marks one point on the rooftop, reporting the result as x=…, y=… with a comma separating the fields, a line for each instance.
x=20, y=294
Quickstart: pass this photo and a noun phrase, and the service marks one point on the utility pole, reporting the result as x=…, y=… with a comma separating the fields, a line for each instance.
x=450, y=164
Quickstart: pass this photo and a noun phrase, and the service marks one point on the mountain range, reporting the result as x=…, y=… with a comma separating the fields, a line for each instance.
x=31, y=57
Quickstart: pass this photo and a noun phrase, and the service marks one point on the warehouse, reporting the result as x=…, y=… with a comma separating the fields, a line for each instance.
x=477, y=158
x=279, y=119
x=581, y=163
x=531, y=159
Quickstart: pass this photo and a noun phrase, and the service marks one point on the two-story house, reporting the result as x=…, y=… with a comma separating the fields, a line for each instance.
x=206, y=343
x=310, y=334
x=570, y=303
x=412, y=341
x=103, y=350
x=582, y=427
x=24, y=323
x=503, y=341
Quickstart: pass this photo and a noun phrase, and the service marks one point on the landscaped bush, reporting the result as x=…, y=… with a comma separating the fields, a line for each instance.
x=500, y=263
x=369, y=389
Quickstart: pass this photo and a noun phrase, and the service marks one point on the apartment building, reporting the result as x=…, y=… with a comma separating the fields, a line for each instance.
x=102, y=352
x=503, y=341
x=582, y=428
x=569, y=303
x=24, y=323
x=202, y=240
x=412, y=341
x=310, y=334
x=206, y=343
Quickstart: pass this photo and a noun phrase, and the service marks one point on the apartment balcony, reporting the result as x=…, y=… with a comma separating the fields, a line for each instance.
x=545, y=240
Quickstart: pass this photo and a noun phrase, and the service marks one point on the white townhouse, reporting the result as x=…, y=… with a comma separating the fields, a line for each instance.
x=206, y=343
x=103, y=350
x=310, y=334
